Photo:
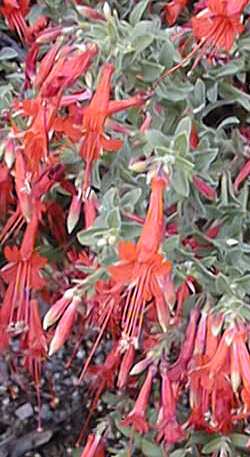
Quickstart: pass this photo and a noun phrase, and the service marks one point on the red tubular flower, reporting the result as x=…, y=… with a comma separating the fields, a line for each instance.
x=64, y=327
x=61, y=67
x=35, y=344
x=126, y=365
x=6, y=191
x=41, y=115
x=173, y=10
x=142, y=270
x=194, y=138
x=137, y=417
x=58, y=309
x=178, y=369
x=29, y=207
x=14, y=12
x=91, y=13
x=215, y=28
x=222, y=370
x=170, y=431
x=243, y=174
x=64, y=310
x=22, y=277
x=94, y=117
x=218, y=25
x=204, y=188
x=90, y=210
x=74, y=211
x=94, y=447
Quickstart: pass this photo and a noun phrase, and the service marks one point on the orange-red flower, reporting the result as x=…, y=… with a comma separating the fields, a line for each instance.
x=219, y=24
x=243, y=174
x=204, y=188
x=94, y=447
x=169, y=430
x=22, y=277
x=6, y=191
x=34, y=344
x=137, y=417
x=14, y=12
x=142, y=271
x=61, y=67
x=64, y=310
x=173, y=10
x=95, y=140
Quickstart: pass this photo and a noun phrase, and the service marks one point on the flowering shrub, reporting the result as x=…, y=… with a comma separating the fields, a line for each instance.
x=124, y=207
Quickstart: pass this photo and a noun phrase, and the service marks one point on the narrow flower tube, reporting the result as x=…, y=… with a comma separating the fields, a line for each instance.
x=64, y=327
x=94, y=447
x=137, y=417
x=204, y=188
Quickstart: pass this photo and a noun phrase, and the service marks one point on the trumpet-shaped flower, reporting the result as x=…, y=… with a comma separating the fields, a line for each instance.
x=95, y=140
x=142, y=271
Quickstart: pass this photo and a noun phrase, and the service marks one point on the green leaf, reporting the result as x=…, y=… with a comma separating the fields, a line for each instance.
x=150, y=71
x=7, y=53
x=214, y=445
x=89, y=237
x=184, y=126
x=174, y=89
x=221, y=284
x=129, y=200
x=140, y=43
x=169, y=55
x=198, y=98
x=231, y=93
x=240, y=440
x=130, y=230
x=138, y=12
x=77, y=452
x=149, y=449
x=231, y=68
x=178, y=453
x=181, y=144
x=181, y=183
x=113, y=219
x=157, y=138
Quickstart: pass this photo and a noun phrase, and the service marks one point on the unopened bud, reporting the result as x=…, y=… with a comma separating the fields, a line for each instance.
x=107, y=11
x=112, y=240
x=102, y=242
x=139, y=166
x=88, y=79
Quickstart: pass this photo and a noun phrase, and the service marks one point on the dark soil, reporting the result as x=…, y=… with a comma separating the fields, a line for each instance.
x=63, y=409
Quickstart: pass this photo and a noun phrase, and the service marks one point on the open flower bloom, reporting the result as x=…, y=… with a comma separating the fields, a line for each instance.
x=35, y=139
x=140, y=278
x=220, y=376
x=219, y=24
x=14, y=12
x=143, y=272
x=94, y=116
x=34, y=344
x=61, y=67
x=29, y=189
x=23, y=277
x=173, y=10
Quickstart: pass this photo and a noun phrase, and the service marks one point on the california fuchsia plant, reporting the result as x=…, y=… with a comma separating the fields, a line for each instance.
x=124, y=210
